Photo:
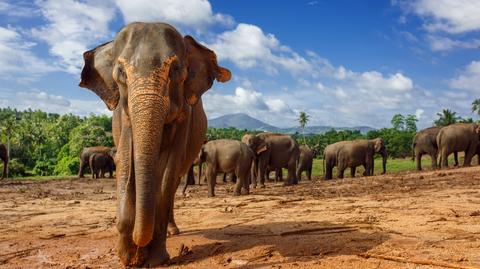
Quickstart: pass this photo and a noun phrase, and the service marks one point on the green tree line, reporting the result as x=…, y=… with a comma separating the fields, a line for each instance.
x=43, y=143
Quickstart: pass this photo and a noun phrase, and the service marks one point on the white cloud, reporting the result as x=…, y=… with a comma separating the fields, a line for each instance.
x=451, y=16
x=196, y=14
x=247, y=101
x=73, y=27
x=419, y=112
x=36, y=99
x=438, y=43
x=16, y=57
x=248, y=46
x=468, y=79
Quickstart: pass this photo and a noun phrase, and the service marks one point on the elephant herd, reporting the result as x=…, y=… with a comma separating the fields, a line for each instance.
x=251, y=160
x=100, y=159
x=443, y=141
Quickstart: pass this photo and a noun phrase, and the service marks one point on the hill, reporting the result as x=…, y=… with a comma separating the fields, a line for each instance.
x=244, y=121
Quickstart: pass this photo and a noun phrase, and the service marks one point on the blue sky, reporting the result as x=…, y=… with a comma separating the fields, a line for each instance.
x=345, y=63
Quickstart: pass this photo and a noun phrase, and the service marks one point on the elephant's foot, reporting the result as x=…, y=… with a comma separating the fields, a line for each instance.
x=129, y=253
x=262, y=186
x=245, y=191
x=211, y=195
x=172, y=230
x=157, y=256
x=254, y=186
x=237, y=193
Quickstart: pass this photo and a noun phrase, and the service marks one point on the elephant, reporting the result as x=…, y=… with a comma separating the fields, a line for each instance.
x=4, y=156
x=153, y=79
x=351, y=154
x=425, y=142
x=227, y=156
x=87, y=152
x=305, y=162
x=100, y=163
x=458, y=137
x=275, y=151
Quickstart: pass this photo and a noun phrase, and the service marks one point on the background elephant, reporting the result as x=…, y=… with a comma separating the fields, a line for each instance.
x=4, y=158
x=305, y=162
x=153, y=79
x=425, y=142
x=458, y=137
x=227, y=156
x=100, y=163
x=351, y=154
x=275, y=151
x=87, y=152
x=190, y=176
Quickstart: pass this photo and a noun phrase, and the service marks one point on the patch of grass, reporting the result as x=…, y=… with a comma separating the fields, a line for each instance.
x=393, y=166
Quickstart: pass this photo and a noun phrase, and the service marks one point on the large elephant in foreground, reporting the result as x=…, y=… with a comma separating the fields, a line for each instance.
x=153, y=79
x=458, y=137
x=4, y=158
x=425, y=142
x=305, y=162
x=227, y=156
x=100, y=163
x=350, y=154
x=275, y=151
x=87, y=152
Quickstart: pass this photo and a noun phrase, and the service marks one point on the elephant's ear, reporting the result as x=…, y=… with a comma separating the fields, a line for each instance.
x=97, y=74
x=203, y=69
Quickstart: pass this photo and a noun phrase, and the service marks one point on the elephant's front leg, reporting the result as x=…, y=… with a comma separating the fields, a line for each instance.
x=172, y=226
x=262, y=168
x=211, y=179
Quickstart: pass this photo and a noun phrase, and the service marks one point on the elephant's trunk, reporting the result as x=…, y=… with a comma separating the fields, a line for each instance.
x=148, y=109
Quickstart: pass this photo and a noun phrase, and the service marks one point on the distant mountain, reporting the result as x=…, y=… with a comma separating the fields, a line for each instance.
x=243, y=121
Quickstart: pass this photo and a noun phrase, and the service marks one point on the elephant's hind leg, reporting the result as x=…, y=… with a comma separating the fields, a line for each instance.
x=353, y=169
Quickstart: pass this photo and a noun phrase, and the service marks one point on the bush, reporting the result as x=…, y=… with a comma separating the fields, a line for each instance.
x=16, y=168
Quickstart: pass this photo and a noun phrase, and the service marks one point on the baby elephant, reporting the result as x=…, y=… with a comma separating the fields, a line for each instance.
x=227, y=156
x=305, y=162
x=100, y=163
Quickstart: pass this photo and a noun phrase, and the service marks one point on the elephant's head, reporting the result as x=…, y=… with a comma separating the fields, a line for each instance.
x=379, y=147
x=257, y=144
x=152, y=74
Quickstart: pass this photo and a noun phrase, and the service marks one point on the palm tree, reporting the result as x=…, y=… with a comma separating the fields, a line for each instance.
x=447, y=117
x=476, y=106
x=303, y=120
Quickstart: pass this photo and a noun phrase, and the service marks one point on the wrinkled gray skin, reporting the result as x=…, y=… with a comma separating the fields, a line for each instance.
x=100, y=163
x=350, y=154
x=153, y=79
x=87, y=152
x=458, y=137
x=275, y=151
x=227, y=156
x=4, y=158
x=305, y=162
x=425, y=142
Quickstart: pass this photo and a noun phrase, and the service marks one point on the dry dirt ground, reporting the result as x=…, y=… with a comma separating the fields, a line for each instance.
x=414, y=218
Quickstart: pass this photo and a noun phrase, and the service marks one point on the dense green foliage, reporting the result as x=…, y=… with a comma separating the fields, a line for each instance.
x=49, y=144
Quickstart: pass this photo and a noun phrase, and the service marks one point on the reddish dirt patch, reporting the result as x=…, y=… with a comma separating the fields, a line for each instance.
x=430, y=216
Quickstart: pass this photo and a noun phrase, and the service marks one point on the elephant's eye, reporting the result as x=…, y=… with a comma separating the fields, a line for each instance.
x=120, y=75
